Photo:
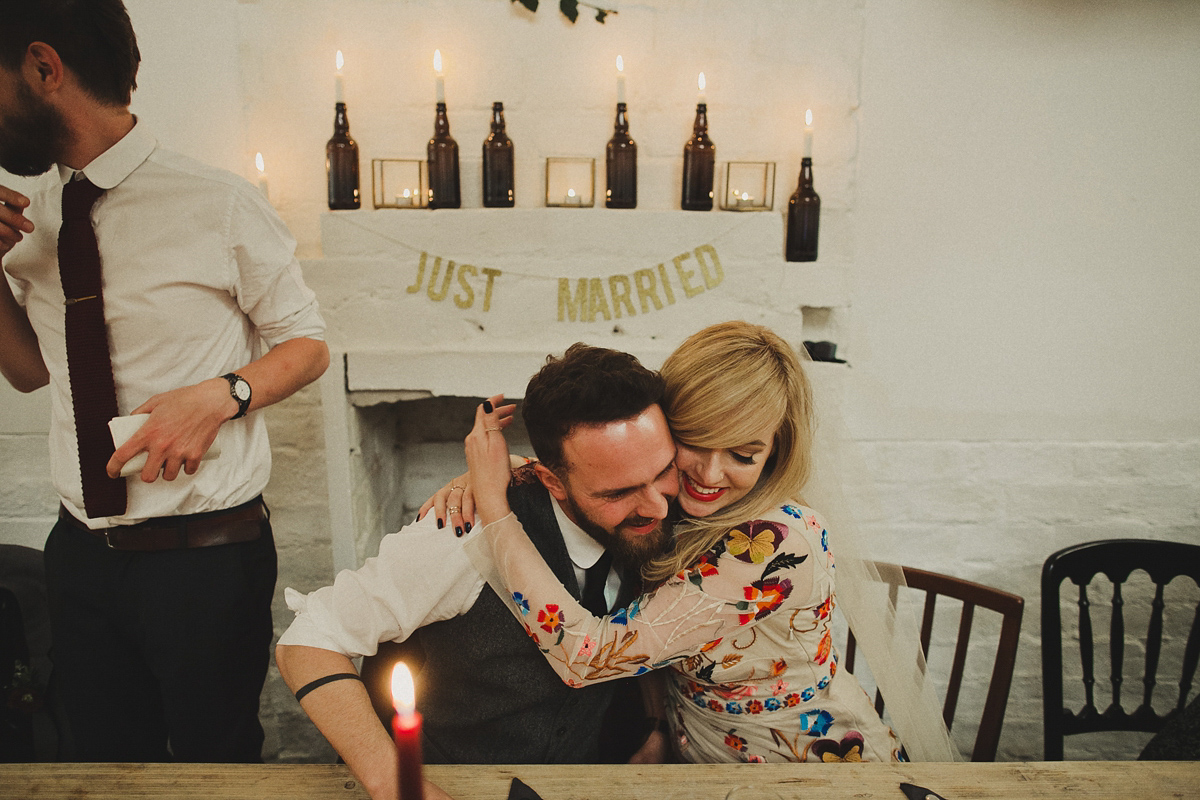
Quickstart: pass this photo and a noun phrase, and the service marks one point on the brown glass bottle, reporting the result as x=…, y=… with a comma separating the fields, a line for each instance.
x=621, y=165
x=699, y=161
x=497, y=163
x=442, y=156
x=341, y=163
x=804, y=217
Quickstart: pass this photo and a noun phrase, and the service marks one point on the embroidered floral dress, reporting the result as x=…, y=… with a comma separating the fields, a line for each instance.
x=745, y=632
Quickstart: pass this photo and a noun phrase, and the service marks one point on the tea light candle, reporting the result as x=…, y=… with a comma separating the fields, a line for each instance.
x=808, y=133
x=572, y=199
x=339, y=89
x=439, y=79
x=620, y=80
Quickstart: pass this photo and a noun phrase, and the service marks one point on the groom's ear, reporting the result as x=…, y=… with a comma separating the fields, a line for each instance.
x=551, y=481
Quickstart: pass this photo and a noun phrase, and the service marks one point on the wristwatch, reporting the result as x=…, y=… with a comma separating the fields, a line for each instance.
x=239, y=389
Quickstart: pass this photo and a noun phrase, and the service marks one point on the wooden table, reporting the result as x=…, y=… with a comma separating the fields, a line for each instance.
x=1072, y=779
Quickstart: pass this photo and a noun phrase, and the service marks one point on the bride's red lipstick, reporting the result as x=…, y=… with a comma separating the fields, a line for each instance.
x=690, y=487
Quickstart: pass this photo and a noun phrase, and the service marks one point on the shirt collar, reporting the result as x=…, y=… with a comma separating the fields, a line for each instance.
x=116, y=163
x=582, y=548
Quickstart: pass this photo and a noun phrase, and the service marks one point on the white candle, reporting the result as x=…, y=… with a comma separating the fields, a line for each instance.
x=620, y=80
x=700, y=97
x=339, y=89
x=573, y=199
x=808, y=131
x=439, y=78
x=262, y=175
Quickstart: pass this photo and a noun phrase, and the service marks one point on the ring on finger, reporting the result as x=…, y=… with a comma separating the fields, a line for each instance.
x=453, y=509
x=492, y=429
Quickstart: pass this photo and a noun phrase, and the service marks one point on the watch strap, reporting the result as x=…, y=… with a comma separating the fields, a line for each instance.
x=243, y=404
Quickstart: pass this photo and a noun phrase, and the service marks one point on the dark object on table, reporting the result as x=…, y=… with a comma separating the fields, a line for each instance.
x=1179, y=739
x=519, y=790
x=1011, y=608
x=804, y=218
x=341, y=163
x=442, y=157
x=1115, y=559
x=498, y=165
x=699, y=165
x=914, y=792
x=823, y=351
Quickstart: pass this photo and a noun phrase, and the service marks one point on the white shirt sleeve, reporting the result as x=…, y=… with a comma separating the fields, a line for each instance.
x=421, y=575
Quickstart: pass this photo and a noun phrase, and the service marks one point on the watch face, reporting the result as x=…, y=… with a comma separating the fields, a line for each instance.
x=241, y=389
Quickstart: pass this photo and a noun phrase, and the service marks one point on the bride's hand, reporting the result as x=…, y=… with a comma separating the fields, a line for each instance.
x=487, y=459
x=459, y=514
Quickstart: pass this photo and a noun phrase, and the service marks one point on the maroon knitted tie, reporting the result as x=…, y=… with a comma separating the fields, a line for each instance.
x=93, y=392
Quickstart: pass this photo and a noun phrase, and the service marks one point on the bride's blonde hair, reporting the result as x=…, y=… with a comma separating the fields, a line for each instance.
x=724, y=385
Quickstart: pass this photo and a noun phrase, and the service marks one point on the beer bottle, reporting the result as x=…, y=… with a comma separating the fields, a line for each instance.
x=621, y=165
x=804, y=216
x=442, y=156
x=341, y=163
x=699, y=161
x=497, y=163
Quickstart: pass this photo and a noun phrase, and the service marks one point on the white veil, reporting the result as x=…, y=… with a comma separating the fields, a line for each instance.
x=887, y=635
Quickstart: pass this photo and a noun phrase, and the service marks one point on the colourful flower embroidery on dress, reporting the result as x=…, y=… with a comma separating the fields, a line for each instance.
x=550, y=618
x=754, y=541
x=704, y=568
x=754, y=707
x=792, y=511
x=735, y=742
x=849, y=750
x=587, y=648
x=772, y=704
x=823, y=648
x=622, y=616
x=825, y=609
x=779, y=687
x=816, y=722
x=521, y=603
x=763, y=597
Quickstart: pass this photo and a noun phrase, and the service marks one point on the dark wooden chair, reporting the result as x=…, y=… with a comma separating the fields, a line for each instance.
x=1011, y=608
x=1115, y=559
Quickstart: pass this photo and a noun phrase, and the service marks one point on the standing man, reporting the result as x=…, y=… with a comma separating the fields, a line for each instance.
x=605, y=476
x=141, y=282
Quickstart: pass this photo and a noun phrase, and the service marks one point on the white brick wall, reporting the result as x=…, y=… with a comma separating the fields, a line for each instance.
x=1029, y=366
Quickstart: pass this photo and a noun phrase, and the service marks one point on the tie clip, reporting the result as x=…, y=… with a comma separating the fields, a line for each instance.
x=70, y=301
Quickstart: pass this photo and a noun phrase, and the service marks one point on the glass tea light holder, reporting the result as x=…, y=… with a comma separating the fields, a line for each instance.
x=749, y=186
x=399, y=182
x=570, y=182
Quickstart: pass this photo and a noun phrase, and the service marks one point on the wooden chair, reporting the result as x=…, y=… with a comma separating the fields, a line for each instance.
x=1116, y=559
x=1011, y=607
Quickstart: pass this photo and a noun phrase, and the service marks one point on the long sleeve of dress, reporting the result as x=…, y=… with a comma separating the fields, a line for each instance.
x=756, y=572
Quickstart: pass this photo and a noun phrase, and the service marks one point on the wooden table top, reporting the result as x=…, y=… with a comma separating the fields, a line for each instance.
x=1078, y=780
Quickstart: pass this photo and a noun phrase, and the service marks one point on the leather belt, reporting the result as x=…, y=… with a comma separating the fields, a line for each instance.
x=242, y=523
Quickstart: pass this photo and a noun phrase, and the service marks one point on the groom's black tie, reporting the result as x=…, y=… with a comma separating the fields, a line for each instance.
x=593, y=586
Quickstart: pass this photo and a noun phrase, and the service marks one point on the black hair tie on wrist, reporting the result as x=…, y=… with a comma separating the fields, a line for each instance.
x=319, y=682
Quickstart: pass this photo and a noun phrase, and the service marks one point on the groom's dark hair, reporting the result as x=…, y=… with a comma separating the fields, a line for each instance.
x=586, y=386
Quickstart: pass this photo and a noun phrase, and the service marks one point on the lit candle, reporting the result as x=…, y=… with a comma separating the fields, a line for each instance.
x=262, y=175
x=573, y=199
x=700, y=97
x=406, y=732
x=808, y=133
x=620, y=80
x=439, y=78
x=339, y=90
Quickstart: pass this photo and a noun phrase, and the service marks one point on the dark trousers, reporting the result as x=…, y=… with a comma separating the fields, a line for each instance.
x=160, y=656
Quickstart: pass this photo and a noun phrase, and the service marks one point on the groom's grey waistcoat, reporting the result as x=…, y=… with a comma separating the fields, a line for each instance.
x=486, y=693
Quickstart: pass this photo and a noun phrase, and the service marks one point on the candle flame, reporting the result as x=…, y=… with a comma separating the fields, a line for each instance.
x=700, y=82
x=258, y=162
x=404, y=693
x=620, y=64
x=408, y=193
x=570, y=192
x=437, y=61
x=808, y=117
x=339, y=60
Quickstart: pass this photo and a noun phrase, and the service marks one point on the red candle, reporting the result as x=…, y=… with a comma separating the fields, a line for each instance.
x=406, y=732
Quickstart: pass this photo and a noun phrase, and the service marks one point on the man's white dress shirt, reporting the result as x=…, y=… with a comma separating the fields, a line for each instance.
x=421, y=575
x=199, y=272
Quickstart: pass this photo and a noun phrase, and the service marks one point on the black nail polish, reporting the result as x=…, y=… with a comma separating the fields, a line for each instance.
x=487, y=406
x=467, y=527
x=458, y=531
x=441, y=524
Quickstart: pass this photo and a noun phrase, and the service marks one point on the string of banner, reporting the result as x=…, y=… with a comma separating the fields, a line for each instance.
x=582, y=299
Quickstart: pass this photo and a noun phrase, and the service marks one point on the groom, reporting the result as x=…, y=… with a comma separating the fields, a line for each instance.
x=603, y=481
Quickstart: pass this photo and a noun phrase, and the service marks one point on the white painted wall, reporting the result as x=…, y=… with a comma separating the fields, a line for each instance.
x=1010, y=187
